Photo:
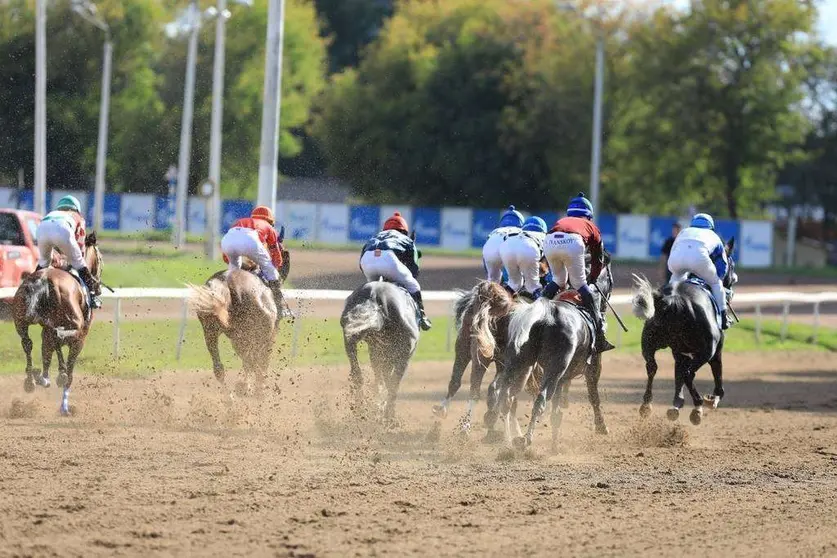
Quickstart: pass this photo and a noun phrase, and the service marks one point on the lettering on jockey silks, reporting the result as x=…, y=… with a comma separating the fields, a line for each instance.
x=560, y=239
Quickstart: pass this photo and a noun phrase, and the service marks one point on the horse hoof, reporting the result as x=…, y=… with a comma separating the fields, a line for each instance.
x=44, y=382
x=493, y=437
x=712, y=401
x=28, y=385
x=521, y=443
x=241, y=389
x=61, y=380
x=673, y=414
x=489, y=418
x=64, y=410
x=602, y=429
x=440, y=411
x=696, y=415
x=645, y=410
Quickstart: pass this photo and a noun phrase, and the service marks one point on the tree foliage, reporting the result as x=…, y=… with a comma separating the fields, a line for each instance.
x=147, y=92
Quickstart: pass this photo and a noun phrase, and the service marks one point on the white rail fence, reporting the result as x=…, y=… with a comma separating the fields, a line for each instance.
x=754, y=301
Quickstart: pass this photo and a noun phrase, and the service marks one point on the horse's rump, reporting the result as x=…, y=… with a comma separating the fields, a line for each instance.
x=211, y=299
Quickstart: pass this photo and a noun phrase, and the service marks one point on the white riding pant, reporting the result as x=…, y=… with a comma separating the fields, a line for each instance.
x=521, y=257
x=59, y=234
x=691, y=256
x=384, y=263
x=239, y=242
x=491, y=256
x=565, y=253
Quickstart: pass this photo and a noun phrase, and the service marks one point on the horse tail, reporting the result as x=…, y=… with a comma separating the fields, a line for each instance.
x=462, y=304
x=212, y=299
x=642, y=304
x=361, y=318
x=37, y=296
x=525, y=317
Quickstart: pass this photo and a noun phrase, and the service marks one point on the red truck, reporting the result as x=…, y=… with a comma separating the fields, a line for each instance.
x=18, y=245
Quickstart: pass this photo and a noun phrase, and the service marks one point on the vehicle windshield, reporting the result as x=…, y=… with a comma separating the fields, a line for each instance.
x=11, y=233
x=32, y=225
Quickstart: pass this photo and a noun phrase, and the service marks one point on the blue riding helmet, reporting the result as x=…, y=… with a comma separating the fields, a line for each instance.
x=703, y=221
x=534, y=224
x=511, y=218
x=580, y=206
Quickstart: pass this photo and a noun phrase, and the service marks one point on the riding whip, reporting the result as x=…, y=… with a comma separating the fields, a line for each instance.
x=612, y=309
x=105, y=286
x=732, y=310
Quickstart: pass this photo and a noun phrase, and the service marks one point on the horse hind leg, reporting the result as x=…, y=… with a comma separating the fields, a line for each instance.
x=696, y=415
x=49, y=345
x=651, y=371
x=716, y=364
x=355, y=374
x=594, y=373
x=211, y=333
x=460, y=363
x=26, y=344
x=555, y=370
x=66, y=380
x=681, y=368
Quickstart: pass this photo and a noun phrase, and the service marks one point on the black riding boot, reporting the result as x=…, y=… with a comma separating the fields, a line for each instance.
x=725, y=321
x=282, y=308
x=424, y=321
x=589, y=300
x=92, y=287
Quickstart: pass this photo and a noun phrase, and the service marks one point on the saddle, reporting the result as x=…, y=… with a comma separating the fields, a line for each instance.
x=698, y=282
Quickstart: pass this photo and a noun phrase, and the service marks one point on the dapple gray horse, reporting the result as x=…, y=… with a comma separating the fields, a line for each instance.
x=384, y=316
x=557, y=336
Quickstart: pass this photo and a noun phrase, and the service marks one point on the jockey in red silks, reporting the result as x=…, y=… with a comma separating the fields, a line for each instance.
x=565, y=248
x=255, y=238
x=63, y=229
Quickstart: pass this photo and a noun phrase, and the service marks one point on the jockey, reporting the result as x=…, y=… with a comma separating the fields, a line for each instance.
x=392, y=254
x=700, y=251
x=64, y=229
x=565, y=248
x=522, y=253
x=510, y=222
x=256, y=238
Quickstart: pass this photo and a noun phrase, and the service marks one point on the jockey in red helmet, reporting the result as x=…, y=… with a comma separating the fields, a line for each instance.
x=255, y=238
x=392, y=254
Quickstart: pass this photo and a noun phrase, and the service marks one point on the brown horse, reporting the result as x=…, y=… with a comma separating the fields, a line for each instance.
x=238, y=304
x=482, y=320
x=55, y=299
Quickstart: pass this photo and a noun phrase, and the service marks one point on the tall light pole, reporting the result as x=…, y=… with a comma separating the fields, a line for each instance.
x=40, y=107
x=598, y=93
x=213, y=203
x=190, y=24
x=269, y=155
x=87, y=10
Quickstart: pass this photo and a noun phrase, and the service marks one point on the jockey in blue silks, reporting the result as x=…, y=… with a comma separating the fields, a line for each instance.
x=700, y=251
x=510, y=222
x=522, y=253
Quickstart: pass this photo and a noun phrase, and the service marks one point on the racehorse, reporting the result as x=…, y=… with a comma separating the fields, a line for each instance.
x=240, y=305
x=384, y=316
x=683, y=317
x=559, y=337
x=482, y=320
x=55, y=299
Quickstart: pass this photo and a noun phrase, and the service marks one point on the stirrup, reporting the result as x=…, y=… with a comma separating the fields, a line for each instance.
x=424, y=323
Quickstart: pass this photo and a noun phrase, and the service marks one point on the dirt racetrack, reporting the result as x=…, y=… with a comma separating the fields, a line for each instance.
x=162, y=466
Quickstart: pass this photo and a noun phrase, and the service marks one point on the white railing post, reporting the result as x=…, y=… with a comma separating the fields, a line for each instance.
x=117, y=312
x=783, y=333
x=182, y=335
x=814, y=335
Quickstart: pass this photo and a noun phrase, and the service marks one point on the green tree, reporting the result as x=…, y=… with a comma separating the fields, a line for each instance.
x=712, y=114
x=458, y=102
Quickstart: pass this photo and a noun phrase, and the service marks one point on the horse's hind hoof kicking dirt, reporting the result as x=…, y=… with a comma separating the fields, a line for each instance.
x=440, y=411
x=645, y=410
x=673, y=414
x=696, y=416
x=28, y=384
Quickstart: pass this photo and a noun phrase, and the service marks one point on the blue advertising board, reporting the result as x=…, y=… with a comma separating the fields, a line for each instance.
x=110, y=214
x=427, y=222
x=607, y=225
x=363, y=222
x=163, y=212
x=483, y=221
x=659, y=231
x=233, y=210
x=728, y=229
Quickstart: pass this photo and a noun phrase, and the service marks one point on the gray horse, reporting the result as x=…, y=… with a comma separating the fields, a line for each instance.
x=385, y=317
x=558, y=337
